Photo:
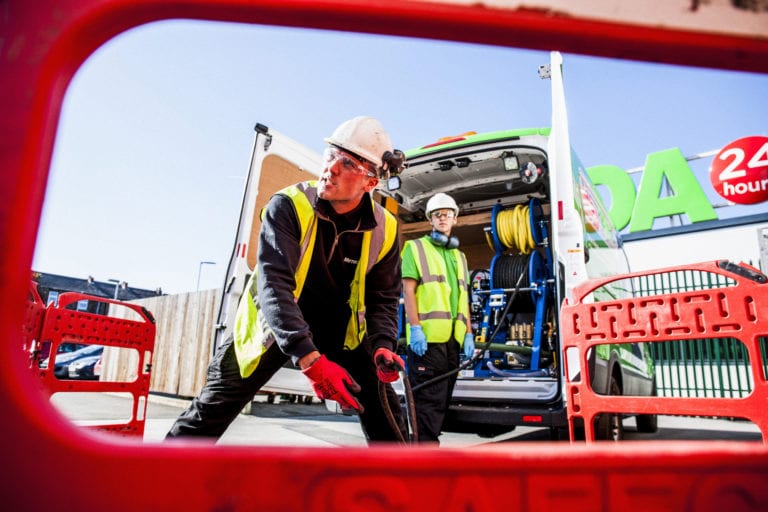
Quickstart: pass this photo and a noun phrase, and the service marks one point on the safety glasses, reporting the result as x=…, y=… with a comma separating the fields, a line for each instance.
x=448, y=214
x=349, y=163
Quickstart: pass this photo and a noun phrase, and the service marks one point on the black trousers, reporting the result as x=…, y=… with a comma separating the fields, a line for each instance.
x=432, y=401
x=226, y=393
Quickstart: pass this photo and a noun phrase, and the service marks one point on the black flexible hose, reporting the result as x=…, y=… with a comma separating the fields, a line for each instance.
x=410, y=411
x=510, y=268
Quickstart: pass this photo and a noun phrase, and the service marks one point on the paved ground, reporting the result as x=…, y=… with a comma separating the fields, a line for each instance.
x=301, y=424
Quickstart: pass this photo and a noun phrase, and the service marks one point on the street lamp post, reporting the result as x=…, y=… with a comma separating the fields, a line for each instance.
x=200, y=270
x=118, y=284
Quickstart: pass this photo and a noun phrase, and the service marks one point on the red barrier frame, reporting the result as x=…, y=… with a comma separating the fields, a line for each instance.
x=61, y=324
x=732, y=312
x=45, y=41
x=33, y=322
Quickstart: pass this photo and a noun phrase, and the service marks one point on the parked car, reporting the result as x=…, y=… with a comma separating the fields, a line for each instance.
x=63, y=360
x=98, y=366
x=64, y=348
x=85, y=367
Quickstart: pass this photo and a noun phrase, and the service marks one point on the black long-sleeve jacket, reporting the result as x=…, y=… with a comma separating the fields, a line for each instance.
x=319, y=319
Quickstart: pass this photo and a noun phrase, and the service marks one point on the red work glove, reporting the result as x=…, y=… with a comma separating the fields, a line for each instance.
x=332, y=382
x=388, y=364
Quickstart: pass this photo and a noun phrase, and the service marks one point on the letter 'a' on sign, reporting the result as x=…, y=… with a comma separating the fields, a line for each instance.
x=739, y=172
x=685, y=197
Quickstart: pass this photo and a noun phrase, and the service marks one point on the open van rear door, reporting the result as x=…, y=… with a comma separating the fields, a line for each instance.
x=568, y=229
x=276, y=162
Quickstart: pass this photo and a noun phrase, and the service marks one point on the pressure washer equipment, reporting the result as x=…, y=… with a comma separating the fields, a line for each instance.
x=480, y=348
x=522, y=231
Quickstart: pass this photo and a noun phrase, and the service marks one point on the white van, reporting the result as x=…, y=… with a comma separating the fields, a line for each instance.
x=523, y=259
x=532, y=227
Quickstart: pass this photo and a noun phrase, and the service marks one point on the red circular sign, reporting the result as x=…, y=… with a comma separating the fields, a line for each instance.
x=739, y=172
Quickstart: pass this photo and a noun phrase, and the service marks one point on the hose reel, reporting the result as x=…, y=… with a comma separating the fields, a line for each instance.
x=522, y=263
x=519, y=230
x=507, y=271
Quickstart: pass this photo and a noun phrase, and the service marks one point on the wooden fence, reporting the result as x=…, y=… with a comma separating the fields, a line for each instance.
x=183, y=345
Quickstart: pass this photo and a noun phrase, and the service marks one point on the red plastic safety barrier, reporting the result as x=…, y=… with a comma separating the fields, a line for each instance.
x=737, y=312
x=33, y=322
x=61, y=325
x=46, y=41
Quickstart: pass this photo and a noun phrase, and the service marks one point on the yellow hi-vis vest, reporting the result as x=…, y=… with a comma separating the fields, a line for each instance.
x=251, y=333
x=433, y=295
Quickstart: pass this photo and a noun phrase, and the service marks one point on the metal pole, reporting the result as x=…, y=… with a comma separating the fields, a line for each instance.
x=117, y=286
x=200, y=270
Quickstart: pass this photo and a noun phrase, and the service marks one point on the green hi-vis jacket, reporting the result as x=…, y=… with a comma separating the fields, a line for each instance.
x=433, y=295
x=251, y=331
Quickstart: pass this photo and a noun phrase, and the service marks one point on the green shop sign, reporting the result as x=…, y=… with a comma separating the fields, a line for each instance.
x=738, y=173
x=639, y=207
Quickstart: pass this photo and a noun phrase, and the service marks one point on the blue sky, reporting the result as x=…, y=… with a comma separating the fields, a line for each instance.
x=156, y=128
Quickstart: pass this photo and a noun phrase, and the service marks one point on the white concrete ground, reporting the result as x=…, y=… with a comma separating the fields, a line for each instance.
x=299, y=424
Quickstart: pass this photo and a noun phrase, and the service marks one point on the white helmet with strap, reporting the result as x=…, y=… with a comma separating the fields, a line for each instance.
x=365, y=137
x=441, y=201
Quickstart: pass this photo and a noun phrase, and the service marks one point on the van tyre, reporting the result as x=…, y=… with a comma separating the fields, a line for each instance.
x=648, y=423
x=610, y=426
x=578, y=430
x=561, y=434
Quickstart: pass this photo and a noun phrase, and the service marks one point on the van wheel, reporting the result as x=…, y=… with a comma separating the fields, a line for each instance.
x=561, y=434
x=648, y=423
x=610, y=426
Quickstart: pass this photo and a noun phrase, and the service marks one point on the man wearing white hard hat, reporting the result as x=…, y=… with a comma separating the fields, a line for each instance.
x=435, y=280
x=325, y=294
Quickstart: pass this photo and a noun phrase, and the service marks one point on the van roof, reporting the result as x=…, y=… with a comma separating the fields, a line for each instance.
x=477, y=170
x=470, y=138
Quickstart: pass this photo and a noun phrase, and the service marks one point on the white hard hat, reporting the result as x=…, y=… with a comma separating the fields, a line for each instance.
x=441, y=201
x=363, y=136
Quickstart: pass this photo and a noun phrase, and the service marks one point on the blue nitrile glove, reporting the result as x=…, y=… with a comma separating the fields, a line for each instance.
x=418, y=340
x=469, y=345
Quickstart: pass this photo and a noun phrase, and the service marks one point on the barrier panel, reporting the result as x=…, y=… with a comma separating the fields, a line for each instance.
x=44, y=44
x=59, y=324
x=33, y=322
x=737, y=311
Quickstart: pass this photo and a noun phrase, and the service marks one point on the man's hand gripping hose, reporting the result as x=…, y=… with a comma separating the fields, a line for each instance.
x=389, y=367
x=388, y=364
x=332, y=382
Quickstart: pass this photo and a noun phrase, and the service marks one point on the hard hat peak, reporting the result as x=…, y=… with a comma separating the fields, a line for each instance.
x=441, y=201
x=363, y=136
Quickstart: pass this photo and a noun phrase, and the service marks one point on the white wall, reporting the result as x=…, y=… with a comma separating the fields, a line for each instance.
x=737, y=244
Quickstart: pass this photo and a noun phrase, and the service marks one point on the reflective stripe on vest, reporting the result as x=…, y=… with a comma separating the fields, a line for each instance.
x=251, y=333
x=434, y=292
